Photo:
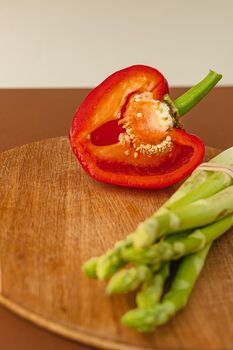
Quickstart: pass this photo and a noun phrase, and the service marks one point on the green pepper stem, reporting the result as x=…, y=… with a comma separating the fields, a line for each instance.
x=191, y=97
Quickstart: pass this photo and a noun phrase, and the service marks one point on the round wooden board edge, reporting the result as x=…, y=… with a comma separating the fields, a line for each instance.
x=42, y=141
x=66, y=138
x=59, y=329
x=78, y=335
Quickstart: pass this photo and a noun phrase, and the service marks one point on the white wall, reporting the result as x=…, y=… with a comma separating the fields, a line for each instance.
x=77, y=43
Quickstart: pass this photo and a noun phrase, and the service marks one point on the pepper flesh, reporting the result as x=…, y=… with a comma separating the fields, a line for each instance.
x=112, y=108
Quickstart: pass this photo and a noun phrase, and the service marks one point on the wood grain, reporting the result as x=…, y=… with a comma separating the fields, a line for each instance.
x=53, y=217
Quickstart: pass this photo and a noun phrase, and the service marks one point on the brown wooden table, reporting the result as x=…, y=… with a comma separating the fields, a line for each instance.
x=27, y=115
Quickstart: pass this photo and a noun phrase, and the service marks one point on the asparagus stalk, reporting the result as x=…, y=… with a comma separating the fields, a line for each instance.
x=145, y=320
x=109, y=263
x=152, y=289
x=90, y=267
x=195, y=188
x=127, y=280
x=172, y=248
x=192, y=189
x=214, y=183
x=140, y=255
x=225, y=158
x=199, y=213
x=104, y=266
x=202, y=184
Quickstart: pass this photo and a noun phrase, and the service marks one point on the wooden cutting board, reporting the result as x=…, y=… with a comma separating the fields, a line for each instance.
x=53, y=217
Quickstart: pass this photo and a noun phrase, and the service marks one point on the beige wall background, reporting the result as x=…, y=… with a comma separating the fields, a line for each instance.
x=74, y=43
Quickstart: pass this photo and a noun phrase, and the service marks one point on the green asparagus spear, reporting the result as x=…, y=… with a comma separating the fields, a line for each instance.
x=194, y=186
x=140, y=255
x=225, y=157
x=172, y=248
x=152, y=289
x=106, y=265
x=215, y=182
x=199, y=177
x=145, y=320
x=127, y=280
x=191, y=191
x=90, y=267
x=199, y=213
x=110, y=262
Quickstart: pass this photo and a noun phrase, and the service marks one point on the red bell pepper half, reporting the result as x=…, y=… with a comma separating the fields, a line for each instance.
x=127, y=130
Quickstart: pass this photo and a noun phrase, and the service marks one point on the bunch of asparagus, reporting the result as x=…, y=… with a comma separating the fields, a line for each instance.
x=184, y=228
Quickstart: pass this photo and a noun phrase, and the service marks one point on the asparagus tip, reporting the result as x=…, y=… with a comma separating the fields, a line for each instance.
x=137, y=318
x=89, y=268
